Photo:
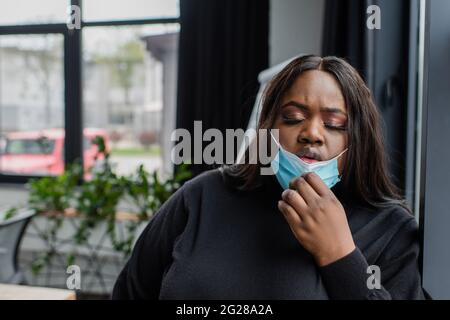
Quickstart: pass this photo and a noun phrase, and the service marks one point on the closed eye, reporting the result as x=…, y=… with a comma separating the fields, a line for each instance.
x=330, y=126
x=335, y=127
x=292, y=121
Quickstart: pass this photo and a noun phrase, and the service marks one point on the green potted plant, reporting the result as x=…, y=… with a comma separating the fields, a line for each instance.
x=95, y=200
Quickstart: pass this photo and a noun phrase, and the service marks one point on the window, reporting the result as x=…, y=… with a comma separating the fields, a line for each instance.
x=123, y=89
x=123, y=85
x=100, y=10
x=21, y=12
x=32, y=103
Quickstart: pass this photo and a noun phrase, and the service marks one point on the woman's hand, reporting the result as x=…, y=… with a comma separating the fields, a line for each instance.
x=317, y=219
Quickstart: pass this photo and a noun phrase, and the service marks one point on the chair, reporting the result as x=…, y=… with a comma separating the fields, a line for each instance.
x=11, y=232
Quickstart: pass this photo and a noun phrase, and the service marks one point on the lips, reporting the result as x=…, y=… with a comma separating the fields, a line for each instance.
x=309, y=156
x=309, y=160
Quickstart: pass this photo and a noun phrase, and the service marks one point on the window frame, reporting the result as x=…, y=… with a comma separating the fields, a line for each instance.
x=73, y=86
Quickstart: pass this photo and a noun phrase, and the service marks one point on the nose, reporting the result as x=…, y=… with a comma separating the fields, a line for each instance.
x=311, y=133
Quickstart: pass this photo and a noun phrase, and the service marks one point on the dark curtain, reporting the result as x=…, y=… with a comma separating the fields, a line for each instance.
x=223, y=47
x=344, y=31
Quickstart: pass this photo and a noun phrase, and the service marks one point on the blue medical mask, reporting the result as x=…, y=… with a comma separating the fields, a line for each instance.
x=288, y=166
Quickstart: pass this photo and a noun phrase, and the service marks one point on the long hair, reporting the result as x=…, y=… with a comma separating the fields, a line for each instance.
x=365, y=175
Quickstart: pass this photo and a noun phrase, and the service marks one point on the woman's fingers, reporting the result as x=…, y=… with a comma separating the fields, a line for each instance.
x=292, y=217
x=317, y=184
x=304, y=189
x=295, y=200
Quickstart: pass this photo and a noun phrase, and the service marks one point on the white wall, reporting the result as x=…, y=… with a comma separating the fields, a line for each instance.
x=295, y=28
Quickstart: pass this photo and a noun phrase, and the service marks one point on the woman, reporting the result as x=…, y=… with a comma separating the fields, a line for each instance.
x=237, y=234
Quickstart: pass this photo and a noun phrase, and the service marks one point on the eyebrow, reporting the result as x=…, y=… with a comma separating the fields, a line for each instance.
x=305, y=108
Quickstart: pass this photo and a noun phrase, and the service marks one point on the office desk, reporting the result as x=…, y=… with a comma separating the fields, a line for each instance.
x=16, y=292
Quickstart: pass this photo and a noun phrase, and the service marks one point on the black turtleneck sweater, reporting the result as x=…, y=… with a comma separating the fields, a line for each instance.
x=211, y=241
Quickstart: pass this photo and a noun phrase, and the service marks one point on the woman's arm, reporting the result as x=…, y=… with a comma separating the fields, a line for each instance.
x=349, y=278
x=152, y=255
x=318, y=221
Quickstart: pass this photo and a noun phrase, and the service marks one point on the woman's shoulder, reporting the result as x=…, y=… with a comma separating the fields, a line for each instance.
x=206, y=177
x=401, y=231
x=393, y=216
x=401, y=218
x=397, y=211
x=211, y=180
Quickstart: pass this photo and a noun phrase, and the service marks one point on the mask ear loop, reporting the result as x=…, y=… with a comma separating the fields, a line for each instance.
x=338, y=156
x=279, y=147
x=278, y=144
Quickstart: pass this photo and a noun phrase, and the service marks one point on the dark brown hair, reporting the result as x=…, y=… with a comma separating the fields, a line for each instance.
x=365, y=175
